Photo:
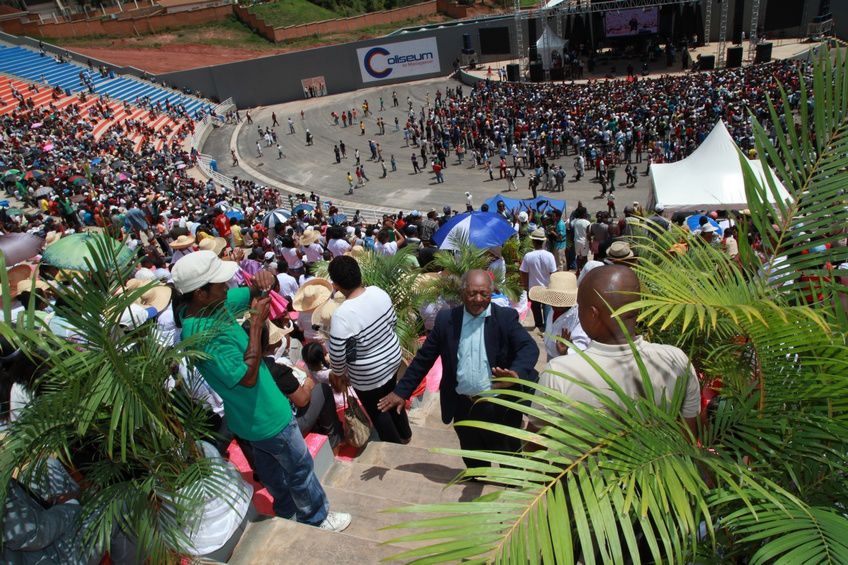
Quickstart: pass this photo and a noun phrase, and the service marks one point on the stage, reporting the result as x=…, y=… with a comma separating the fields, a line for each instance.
x=617, y=69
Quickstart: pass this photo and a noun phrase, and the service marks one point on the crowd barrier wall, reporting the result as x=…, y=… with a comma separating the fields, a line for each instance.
x=277, y=78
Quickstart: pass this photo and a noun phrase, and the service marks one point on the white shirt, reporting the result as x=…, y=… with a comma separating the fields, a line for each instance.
x=313, y=252
x=580, y=226
x=569, y=321
x=538, y=265
x=288, y=284
x=291, y=257
x=338, y=247
x=665, y=364
x=388, y=248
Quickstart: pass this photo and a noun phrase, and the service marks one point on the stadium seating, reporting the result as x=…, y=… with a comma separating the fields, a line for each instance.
x=44, y=96
x=30, y=65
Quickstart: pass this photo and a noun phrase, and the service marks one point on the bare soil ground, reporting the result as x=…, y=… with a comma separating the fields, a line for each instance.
x=169, y=58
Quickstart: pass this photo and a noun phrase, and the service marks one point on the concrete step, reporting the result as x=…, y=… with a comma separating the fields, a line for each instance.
x=276, y=540
x=426, y=437
x=370, y=516
x=411, y=459
x=421, y=484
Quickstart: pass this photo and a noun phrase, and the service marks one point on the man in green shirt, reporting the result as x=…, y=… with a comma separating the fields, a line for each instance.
x=255, y=408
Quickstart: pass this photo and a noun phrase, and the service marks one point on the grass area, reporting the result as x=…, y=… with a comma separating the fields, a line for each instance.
x=230, y=33
x=292, y=12
x=365, y=33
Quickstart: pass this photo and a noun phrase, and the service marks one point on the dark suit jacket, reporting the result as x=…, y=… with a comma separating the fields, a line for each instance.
x=508, y=345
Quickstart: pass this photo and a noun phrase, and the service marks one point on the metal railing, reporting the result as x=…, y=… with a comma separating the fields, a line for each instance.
x=368, y=215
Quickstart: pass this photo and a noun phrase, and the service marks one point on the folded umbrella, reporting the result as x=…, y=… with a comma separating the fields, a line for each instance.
x=480, y=229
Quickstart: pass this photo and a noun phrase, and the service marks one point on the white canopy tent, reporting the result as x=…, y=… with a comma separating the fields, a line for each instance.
x=708, y=179
x=547, y=43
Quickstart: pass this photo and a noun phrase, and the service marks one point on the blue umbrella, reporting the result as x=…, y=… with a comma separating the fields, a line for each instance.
x=694, y=223
x=304, y=207
x=234, y=213
x=337, y=219
x=480, y=229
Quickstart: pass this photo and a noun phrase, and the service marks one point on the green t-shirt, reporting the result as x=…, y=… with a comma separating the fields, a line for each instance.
x=253, y=413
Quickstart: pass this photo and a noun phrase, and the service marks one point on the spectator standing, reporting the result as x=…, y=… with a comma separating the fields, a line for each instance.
x=256, y=409
x=364, y=349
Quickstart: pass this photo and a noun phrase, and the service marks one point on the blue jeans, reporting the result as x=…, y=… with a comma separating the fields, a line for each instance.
x=285, y=466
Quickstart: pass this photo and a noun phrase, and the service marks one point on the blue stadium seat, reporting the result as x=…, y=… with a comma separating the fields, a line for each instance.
x=29, y=65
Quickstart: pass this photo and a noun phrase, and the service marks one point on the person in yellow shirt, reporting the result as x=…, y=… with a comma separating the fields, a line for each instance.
x=235, y=230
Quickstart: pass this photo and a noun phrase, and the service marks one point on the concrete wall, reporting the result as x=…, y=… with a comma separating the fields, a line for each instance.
x=337, y=25
x=120, y=27
x=276, y=79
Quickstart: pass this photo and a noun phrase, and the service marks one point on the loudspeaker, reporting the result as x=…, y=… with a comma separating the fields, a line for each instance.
x=513, y=73
x=707, y=63
x=531, y=31
x=537, y=72
x=466, y=42
x=763, y=53
x=557, y=73
x=534, y=53
x=734, y=57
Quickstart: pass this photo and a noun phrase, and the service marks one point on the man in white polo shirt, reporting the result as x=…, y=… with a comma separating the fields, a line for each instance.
x=611, y=287
x=535, y=270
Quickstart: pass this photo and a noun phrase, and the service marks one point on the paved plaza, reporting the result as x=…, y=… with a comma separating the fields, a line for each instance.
x=313, y=168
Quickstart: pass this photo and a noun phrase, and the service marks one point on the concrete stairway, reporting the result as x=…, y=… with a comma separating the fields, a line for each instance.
x=383, y=476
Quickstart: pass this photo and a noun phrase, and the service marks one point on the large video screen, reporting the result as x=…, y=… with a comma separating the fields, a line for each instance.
x=620, y=23
x=494, y=41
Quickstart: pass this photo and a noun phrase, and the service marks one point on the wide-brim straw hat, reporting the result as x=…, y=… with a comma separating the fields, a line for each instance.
x=276, y=333
x=538, y=234
x=312, y=294
x=51, y=237
x=619, y=251
x=356, y=251
x=26, y=285
x=16, y=274
x=323, y=316
x=213, y=244
x=561, y=291
x=183, y=242
x=157, y=296
x=309, y=237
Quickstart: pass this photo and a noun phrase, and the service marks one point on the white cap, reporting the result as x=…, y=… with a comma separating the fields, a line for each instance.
x=708, y=228
x=269, y=255
x=522, y=216
x=201, y=268
x=135, y=315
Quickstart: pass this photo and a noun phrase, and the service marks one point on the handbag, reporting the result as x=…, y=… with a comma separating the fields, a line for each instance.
x=357, y=426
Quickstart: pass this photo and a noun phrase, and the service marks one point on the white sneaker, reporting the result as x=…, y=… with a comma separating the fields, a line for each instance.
x=336, y=521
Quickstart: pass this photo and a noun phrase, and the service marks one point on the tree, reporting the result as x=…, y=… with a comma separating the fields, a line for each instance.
x=101, y=406
x=765, y=482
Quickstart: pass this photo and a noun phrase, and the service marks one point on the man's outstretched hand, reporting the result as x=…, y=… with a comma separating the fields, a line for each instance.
x=391, y=401
x=500, y=373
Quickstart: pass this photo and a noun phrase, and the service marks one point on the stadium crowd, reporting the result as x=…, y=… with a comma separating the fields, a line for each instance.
x=202, y=247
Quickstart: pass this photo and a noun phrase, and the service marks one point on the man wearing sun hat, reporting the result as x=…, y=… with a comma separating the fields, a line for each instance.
x=255, y=408
x=536, y=269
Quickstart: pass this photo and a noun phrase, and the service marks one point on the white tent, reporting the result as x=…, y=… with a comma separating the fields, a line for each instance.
x=547, y=44
x=708, y=179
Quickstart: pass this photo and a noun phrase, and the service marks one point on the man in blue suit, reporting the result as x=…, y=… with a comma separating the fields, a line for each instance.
x=477, y=341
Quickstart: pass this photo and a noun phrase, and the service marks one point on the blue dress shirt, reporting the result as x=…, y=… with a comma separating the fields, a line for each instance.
x=473, y=373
